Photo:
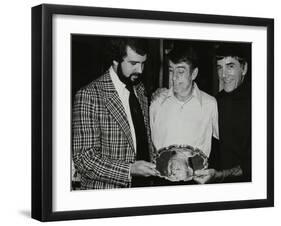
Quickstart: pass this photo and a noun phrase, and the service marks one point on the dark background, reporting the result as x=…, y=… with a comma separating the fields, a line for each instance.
x=89, y=61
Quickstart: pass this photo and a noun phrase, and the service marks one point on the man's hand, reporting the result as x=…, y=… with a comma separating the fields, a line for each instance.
x=210, y=175
x=160, y=92
x=143, y=168
x=206, y=176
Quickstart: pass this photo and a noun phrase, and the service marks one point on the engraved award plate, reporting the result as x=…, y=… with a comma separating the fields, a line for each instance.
x=178, y=162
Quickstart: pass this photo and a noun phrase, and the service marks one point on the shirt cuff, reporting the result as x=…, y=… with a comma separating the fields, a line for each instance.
x=129, y=175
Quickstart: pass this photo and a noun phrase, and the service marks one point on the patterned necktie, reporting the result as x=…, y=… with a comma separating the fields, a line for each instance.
x=139, y=126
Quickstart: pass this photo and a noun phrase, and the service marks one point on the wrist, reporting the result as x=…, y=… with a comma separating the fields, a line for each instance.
x=219, y=176
x=129, y=175
x=132, y=169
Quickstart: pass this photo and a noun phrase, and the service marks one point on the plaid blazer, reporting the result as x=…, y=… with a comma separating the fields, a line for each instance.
x=102, y=142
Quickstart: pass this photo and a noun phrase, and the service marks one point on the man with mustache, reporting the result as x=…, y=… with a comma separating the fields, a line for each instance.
x=111, y=133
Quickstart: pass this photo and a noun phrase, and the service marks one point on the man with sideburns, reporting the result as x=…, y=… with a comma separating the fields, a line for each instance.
x=111, y=132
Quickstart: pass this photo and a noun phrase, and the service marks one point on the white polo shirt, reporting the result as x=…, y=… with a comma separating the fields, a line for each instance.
x=192, y=122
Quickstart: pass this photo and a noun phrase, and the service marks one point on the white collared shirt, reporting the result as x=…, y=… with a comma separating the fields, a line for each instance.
x=192, y=122
x=123, y=94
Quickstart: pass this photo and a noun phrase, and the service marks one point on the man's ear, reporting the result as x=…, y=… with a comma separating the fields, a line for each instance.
x=194, y=73
x=245, y=69
x=115, y=63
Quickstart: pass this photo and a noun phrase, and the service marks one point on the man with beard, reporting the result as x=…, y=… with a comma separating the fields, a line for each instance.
x=111, y=133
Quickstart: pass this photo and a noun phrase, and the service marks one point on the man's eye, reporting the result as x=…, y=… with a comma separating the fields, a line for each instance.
x=134, y=63
x=231, y=66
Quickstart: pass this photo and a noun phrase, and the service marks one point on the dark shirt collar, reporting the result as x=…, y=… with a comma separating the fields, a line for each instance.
x=241, y=92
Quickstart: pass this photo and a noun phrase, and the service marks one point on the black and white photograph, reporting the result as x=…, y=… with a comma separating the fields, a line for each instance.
x=159, y=112
x=140, y=112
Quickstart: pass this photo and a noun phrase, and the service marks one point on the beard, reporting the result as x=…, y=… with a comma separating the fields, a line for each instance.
x=132, y=80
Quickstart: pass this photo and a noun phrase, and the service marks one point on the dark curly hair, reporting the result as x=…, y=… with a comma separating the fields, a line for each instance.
x=185, y=54
x=240, y=51
x=117, y=49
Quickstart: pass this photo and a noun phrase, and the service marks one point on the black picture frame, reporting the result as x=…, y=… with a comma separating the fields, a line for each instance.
x=42, y=85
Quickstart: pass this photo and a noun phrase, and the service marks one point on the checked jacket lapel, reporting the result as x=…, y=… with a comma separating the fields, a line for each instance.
x=115, y=107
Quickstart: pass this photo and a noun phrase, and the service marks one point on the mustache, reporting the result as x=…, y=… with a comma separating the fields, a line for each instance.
x=136, y=74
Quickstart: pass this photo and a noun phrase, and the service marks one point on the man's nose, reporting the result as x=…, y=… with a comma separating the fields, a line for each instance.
x=139, y=68
x=175, y=76
x=224, y=74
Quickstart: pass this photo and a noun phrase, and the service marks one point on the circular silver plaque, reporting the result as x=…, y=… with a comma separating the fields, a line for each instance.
x=178, y=162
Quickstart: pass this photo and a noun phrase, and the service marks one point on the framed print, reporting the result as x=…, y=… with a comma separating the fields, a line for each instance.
x=146, y=112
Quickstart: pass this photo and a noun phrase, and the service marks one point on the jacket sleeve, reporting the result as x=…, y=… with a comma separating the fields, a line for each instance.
x=87, y=155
